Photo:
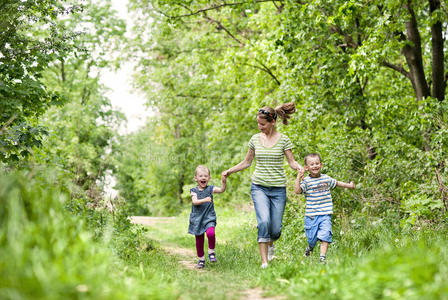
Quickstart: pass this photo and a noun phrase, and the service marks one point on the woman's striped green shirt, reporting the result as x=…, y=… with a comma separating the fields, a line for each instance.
x=269, y=169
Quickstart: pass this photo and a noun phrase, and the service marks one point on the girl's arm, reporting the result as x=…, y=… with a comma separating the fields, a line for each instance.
x=350, y=185
x=297, y=188
x=217, y=190
x=292, y=162
x=242, y=165
x=196, y=201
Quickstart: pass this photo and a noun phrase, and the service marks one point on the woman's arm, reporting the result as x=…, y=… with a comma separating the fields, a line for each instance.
x=292, y=162
x=242, y=165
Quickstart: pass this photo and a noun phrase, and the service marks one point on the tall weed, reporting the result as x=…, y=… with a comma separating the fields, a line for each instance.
x=47, y=252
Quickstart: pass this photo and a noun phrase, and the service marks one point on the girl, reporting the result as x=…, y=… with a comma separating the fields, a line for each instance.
x=268, y=187
x=203, y=216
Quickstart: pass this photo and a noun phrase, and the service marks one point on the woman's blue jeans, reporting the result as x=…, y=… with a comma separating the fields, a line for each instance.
x=269, y=203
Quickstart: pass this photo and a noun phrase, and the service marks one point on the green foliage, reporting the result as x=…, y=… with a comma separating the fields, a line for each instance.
x=373, y=263
x=211, y=66
x=47, y=252
x=369, y=258
x=25, y=50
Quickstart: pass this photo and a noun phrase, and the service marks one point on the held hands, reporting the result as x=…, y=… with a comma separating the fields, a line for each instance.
x=351, y=185
x=225, y=174
x=223, y=178
x=300, y=174
x=300, y=169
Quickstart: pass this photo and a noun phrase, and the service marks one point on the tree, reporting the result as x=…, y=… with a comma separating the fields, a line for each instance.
x=29, y=40
x=83, y=130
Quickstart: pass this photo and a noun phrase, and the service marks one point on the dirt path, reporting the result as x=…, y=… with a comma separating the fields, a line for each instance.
x=186, y=255
x=150, y=220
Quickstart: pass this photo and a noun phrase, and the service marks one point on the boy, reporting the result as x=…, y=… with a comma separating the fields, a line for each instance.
x=319, y=205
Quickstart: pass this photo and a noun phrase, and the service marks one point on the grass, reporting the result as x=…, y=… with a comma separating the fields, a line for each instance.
x=237, y=257
x=366, y=261
x=46, y=252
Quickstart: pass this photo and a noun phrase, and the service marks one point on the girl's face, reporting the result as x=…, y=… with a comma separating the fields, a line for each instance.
x=202, y=177
x=264, y=125
x=313, y=165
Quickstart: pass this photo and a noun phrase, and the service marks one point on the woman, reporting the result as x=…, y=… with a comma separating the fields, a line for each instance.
x=268, y=187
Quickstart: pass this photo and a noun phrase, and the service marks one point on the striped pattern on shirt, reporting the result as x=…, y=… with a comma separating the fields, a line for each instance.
x=269, y=169
x=317, y=194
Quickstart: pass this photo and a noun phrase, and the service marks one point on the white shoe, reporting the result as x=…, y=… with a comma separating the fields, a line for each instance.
x=264, y=266
x=271, y=249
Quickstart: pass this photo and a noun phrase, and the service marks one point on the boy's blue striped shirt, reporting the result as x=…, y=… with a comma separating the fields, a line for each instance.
x=317, y=194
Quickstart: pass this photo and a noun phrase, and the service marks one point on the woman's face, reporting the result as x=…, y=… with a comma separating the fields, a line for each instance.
x=264, y=125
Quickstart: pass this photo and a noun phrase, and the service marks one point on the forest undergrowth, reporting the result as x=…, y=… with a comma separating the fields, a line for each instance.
x=49, y=250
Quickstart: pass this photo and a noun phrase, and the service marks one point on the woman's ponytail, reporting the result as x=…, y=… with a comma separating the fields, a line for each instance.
x=285, y=111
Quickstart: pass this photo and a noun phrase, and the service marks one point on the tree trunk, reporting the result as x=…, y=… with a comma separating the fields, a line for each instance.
x=413, y=54
x=62, y=71
x=181, y=188
x=437, y=76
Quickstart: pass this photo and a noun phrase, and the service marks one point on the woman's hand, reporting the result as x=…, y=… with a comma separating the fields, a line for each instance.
x=225, y=174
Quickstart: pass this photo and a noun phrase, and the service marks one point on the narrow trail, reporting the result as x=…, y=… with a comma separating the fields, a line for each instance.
x=186, y=255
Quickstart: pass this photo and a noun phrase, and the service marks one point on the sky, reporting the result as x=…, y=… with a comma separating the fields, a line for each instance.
x=121, y=94
x=123, y=97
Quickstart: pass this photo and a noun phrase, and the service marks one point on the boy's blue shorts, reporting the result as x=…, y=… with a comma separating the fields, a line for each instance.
x=318, y=228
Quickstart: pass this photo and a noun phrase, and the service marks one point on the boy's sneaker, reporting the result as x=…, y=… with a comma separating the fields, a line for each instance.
x=322, y=259
x=212, y=257
x=201, y=264
x=271, y=249
x=308, y=251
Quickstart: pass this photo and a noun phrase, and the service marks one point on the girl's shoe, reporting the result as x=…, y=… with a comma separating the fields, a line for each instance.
x=212, y=257
x=201, y=264
x=264, y=266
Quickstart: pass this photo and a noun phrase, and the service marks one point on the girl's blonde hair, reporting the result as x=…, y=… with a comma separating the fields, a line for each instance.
x=201, y=167
x=284, y=111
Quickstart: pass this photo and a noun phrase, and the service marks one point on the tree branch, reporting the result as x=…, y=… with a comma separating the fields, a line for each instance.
x=347, y=38
x=213, y=7
x=203, y=97
x=10, y=120
x=220, y=26
x=264, y=69
x=397, y=68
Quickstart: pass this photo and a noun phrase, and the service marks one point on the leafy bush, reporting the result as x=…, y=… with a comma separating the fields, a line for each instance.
x=47, y=252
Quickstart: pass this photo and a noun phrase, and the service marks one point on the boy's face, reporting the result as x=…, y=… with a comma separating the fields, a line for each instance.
x=313, y=165
x=202, y=177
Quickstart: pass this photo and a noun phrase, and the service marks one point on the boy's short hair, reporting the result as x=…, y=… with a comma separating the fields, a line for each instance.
x=312, y=155
x=201, y=167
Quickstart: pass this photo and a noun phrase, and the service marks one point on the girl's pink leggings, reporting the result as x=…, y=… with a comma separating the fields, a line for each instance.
x=200, y=241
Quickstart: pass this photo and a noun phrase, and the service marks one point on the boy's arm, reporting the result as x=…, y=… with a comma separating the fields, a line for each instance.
x=297, y=188
x=222, y=189
x=196, y=201
x=350, y=185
